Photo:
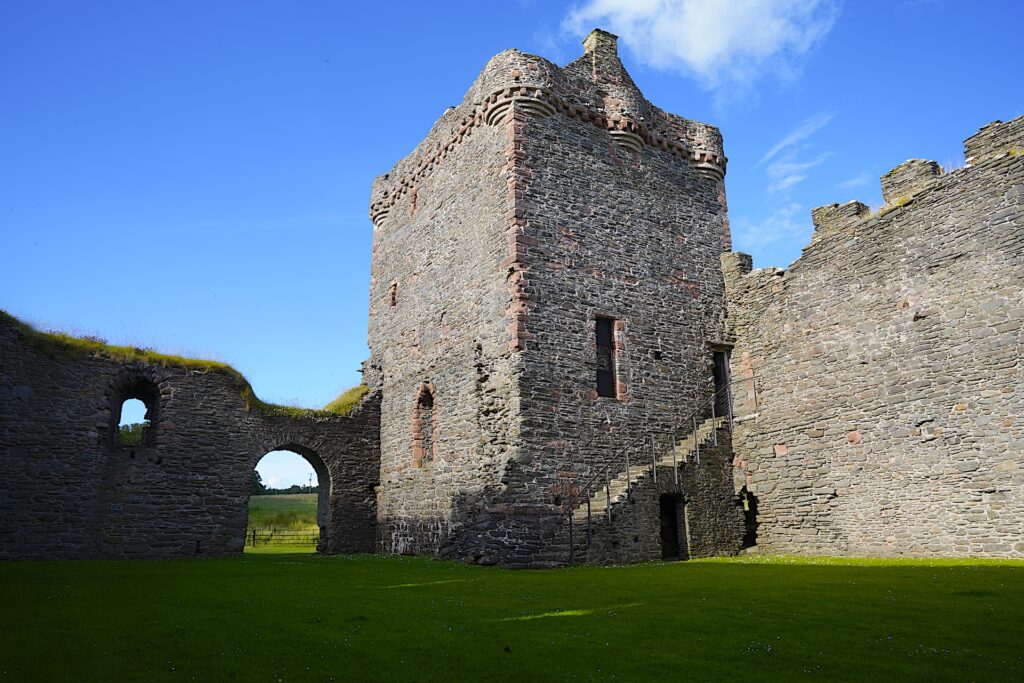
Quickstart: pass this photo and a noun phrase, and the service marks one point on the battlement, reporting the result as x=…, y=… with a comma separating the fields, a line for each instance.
x=911, y=179
x=838, y=215
x=908, y=179
x=595, y=89
x=994, y=139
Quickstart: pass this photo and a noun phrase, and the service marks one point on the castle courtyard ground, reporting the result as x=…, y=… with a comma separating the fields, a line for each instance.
x=288, y=617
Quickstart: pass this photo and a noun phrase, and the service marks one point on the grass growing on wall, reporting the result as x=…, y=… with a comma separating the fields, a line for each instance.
x=348, y=399
x=70, y=345
x=287, y=617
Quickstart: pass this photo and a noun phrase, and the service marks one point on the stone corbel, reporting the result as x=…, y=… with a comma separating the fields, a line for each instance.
x=530, y=101
x=708, y=164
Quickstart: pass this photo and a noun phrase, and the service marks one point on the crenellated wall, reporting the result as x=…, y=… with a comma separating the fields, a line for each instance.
x=69, y=490
x=883, y=412
x=876, y=384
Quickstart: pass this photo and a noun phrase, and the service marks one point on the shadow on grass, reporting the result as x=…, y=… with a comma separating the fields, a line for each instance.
x=308, y=616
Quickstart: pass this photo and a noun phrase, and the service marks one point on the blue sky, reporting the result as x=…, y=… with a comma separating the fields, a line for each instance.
x=194, y=176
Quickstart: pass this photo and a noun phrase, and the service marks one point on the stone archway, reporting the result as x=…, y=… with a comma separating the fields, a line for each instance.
x=324, y=488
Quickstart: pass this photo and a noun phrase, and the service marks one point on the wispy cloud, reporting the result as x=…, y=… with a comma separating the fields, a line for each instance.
x=724, y=44
x=860, y=180
x=786, y=164
x=787, y=171
x=783, y=225
x=803, y=130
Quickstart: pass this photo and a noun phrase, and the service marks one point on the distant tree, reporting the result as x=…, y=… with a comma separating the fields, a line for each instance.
x=258, y=488
x=131, y=434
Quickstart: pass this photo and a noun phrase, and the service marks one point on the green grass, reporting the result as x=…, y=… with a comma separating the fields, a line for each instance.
x=286, y=617
x=293, y=511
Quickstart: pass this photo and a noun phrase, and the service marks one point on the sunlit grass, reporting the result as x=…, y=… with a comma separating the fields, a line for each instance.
x=284, y=616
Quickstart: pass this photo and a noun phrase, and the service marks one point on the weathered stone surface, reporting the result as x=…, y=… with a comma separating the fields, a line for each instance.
x=548, y=198
x=887, y=360
x=68, y=490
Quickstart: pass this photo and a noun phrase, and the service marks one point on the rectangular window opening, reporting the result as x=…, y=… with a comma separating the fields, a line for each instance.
x=720, y=369
x=605, y=328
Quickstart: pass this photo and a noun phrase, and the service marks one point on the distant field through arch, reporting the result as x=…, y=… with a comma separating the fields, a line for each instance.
x=287, y=502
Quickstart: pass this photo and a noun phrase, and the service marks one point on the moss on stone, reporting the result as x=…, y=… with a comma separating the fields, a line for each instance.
x=69, y=345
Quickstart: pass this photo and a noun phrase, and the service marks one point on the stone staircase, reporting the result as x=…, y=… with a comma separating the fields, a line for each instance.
x=685, y=451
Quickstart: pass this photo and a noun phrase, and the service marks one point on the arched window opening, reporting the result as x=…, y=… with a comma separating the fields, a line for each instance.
x=424, y=427
x=287, y=503
x=134, y=413
x=133, y=424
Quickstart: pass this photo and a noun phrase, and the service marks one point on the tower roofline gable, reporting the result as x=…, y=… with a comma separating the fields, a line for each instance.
x=595, y=88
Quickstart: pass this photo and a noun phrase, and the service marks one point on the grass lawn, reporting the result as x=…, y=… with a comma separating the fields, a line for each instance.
x=288, y=617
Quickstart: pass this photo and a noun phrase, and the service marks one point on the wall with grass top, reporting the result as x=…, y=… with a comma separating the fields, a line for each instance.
x=73, y=484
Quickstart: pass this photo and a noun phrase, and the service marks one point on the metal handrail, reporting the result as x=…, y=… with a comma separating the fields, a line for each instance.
x=691, y=416
x=622, y=454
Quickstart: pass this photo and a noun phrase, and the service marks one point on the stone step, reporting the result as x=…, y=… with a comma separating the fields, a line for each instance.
x=618, y=486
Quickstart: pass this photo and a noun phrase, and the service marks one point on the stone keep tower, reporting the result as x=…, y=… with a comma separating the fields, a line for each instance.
x=546, y=289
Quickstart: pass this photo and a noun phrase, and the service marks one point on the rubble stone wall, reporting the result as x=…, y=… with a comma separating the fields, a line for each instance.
x=548, y=198
x=709, y=516
x=69, y=490
x=884, y=408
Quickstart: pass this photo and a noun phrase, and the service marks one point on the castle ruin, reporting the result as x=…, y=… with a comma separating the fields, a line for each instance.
x=569, y=364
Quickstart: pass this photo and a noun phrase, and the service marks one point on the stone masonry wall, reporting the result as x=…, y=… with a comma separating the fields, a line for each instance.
x=68, y=490
x=883, y=409
x=437, y=318
x=620, y=229
x=547, y=197
x=710, y=519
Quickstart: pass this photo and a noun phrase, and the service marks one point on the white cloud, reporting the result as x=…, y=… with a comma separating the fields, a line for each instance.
x=722, y=42
x=785, y=169
x=783, y=225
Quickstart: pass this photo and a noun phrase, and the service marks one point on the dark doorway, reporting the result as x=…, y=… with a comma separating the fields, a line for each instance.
x=721, y=372
x=749, y=502
x=670, y=549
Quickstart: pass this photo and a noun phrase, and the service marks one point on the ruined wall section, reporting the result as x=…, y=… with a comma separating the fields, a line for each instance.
x=68, y=490
x=882, y=412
